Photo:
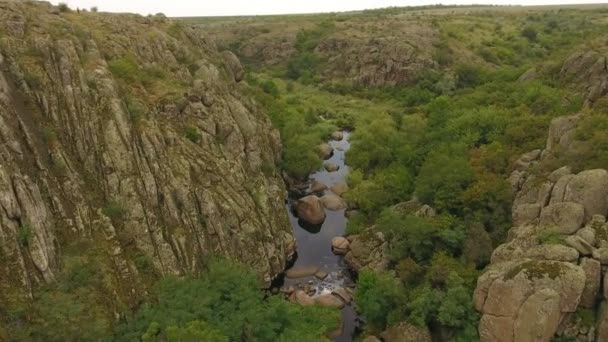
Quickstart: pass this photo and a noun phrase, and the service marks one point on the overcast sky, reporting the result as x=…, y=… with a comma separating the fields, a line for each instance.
x=248, y=7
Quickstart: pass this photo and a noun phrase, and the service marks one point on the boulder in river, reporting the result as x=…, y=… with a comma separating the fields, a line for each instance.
x=337, y=135
x=330, y=301
x=317, y=186
x=321, y=274
x=325, y=151
x=343, y=294
x=339, y=189
x=301, y=271
x=339, y=245
x=310, y=209
x=331, y=167
x=300, y=297
x=333, y=202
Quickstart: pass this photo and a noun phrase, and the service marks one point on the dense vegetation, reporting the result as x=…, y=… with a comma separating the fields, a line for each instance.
x=447, y=140
x=225, y=304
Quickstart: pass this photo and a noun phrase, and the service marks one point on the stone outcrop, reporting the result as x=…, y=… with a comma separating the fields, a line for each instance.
x=367, y=250
x=551, y=265
x=588, y=69
x=310, y=209
x=130, y=134
x=333, y=202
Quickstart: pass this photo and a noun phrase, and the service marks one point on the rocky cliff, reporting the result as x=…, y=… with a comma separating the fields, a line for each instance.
x=547, y=279
x=129, y=135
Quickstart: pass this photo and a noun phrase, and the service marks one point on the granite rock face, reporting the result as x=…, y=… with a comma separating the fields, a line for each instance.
x=551, y=265
x=131, y=134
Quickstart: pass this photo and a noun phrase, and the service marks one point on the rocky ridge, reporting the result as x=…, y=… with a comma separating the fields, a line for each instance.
x=130, y=134
x=552, y=269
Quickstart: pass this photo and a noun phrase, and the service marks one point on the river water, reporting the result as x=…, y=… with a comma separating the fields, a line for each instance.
x=314, y=244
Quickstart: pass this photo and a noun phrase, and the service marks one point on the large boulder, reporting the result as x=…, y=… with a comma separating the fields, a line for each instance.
x=302, y=298
x=538, y=317
x=564, y=217
x=301, y=271
x=310, y=209
x=590, y=189
x=552, y=252
x=333, y=202
x=339, y=189
x=331, y=167
x=513, y=296
x=337, y=135
x=593, y=278
x=317, y=186
x=406, y=332
x=368, y=250
x=234, y=65
x=325, y=150
x=339, y=245
x=329, y=300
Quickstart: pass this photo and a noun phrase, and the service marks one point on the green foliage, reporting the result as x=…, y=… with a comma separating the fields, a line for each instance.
x=63, y=7
x=379, y=297
x=224, y=305
x=443, y=178
x=594, y=153
x=418, y=238
x=468, y=76
x=25, y=235
x=270, y=88
x=115, y=211
x=193, y=332
x=193, y=134
x=128, y=69
x=551, y=237
x=529, y=33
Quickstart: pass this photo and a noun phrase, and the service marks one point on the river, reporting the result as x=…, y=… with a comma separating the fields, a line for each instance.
x=314, y=244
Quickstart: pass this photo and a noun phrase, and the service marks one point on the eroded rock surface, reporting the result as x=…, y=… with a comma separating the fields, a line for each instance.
x=129, y=133
x=551, y=266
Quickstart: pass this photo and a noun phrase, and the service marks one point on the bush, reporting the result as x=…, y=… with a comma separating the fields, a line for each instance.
x=226, y=304
x=270, y=88
x=192, y=133
x=63, y=7
x=94, y=9
x=380, y=298
x=25, y=235
x=529, y=33
x=125, y=68
x=468, y=76
x=442, y=180
x=115, y=211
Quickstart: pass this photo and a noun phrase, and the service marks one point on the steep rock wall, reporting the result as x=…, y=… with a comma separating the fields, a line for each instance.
x=129, y=134
x=552, y=268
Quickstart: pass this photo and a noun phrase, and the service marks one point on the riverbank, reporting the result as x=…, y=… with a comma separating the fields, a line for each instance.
x=320, y=274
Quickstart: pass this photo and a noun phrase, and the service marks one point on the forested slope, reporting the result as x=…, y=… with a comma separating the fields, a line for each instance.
x=442, y=103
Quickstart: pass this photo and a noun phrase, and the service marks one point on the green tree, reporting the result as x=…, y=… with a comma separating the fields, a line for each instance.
x=380, y=298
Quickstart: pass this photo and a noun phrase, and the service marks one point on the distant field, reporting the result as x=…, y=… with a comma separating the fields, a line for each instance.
x=394, y=11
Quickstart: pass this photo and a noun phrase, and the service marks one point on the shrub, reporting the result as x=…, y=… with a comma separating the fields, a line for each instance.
x=226, y=304
x=192, y=133
x=468, y=76
x=63, y=7
x=125, y=68
x=270, y=88
x=25, y=235
x=379, y=298
x=115, y=211
x=529, y=33
x=94, y=9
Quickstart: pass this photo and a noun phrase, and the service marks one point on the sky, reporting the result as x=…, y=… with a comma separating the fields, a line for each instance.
x=181, y=8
